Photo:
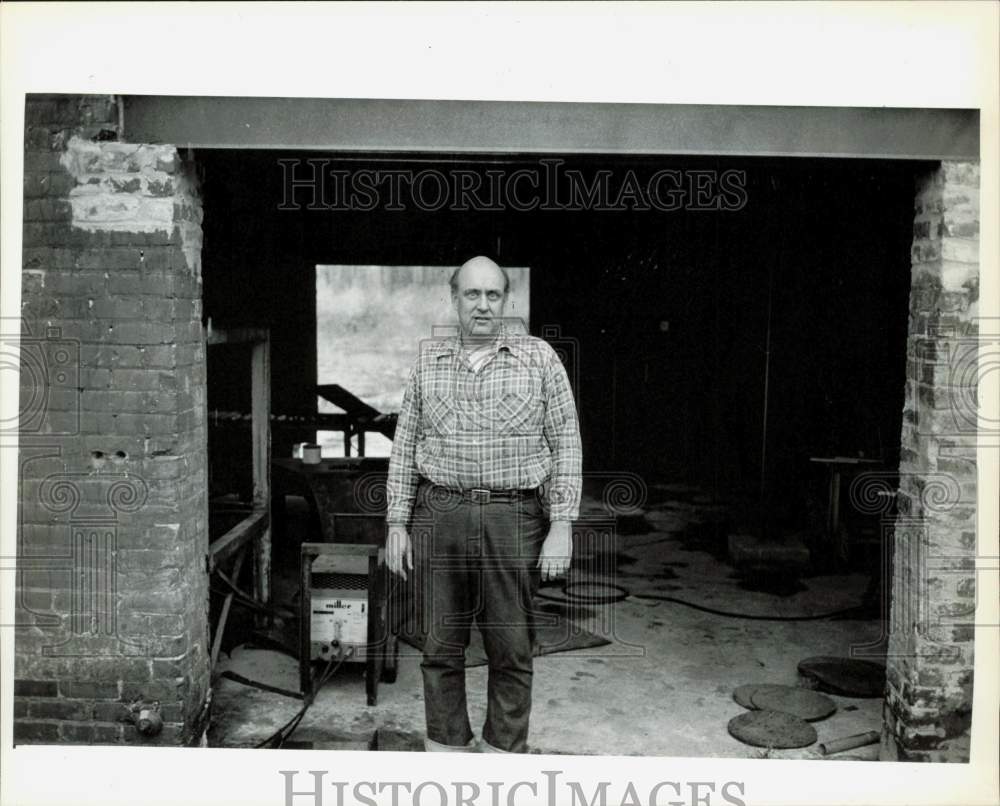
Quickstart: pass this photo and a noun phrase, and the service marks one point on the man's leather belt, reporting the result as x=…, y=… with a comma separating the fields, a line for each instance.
x=479, y=495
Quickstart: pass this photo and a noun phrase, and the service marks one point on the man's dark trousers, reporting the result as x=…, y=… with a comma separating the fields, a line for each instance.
x=476, y=563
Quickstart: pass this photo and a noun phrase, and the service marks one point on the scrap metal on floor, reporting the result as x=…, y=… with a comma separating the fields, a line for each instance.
x=663, y=686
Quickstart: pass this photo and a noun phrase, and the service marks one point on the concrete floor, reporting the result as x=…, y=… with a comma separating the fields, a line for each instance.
x=663, y=687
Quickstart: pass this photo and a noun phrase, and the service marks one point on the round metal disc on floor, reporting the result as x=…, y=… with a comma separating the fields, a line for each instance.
x=849, y=677
x=772, y=729
x=743, y=694
x=595, y=592
x=800, y=702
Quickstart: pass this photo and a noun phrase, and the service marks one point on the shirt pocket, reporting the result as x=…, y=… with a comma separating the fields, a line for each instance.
x=515, y=412
x=439, y=415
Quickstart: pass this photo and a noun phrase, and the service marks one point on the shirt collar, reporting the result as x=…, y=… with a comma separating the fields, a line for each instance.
x=505, y=340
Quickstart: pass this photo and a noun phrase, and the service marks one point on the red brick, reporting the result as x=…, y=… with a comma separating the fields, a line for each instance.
x=60, y=709
x=108, y=669
x=90, y=733
x=157, y=309
x=36, y=185
x=42, y=161
x=111, y=712
x=166, y=468
x=136, y=561
x=41, y=540
x=133, y=380
x=122, y=401
x=43, y=257
x=167, y=163
x=37, y=138
x=129, y=424
x=47, y=210
x=93, y=378
x=88, y=689
x=154, y=601
x=111, y=356
x=117, y=308
x=39, y=110
x=62, y=400
x=171, y=735
x=32, y=732
x=89, y=284
x=161, y=356
x=162, y=690
x=165, y=624
x=38, y=601
x=960, y=173
x=35, y=688
x=172, y=711
x=143, y=239
x=154, y=284
x=75, y=270
x=144, y=332
x=175, y=669
x=163, y=646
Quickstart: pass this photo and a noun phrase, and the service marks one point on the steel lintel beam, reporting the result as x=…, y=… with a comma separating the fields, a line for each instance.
x=500, y=127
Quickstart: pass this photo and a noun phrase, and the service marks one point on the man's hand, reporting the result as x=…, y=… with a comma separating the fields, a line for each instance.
x=557, y=550
x=398, y=551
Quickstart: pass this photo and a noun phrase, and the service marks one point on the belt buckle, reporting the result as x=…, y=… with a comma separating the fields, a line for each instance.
x=479, y=496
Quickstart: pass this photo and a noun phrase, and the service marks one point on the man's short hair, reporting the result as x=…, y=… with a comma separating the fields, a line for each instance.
x=453, y=280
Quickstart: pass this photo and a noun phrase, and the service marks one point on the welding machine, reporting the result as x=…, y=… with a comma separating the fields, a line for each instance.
x=343, y=614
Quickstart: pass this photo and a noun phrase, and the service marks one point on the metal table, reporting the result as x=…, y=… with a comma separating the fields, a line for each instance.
x=335, y=487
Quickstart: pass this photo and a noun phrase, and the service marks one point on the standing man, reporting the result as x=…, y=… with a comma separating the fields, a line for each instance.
x=484, y=480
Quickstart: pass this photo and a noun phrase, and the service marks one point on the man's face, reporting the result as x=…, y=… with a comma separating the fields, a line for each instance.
x=479, y=299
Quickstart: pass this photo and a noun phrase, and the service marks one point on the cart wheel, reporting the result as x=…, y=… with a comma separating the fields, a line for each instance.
x=391, y=666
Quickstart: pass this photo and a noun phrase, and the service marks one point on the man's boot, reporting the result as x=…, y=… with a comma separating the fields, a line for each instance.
x=430, y=746
x=486, y=747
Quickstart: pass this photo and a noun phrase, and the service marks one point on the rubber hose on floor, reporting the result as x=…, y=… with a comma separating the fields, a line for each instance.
x=620, y=594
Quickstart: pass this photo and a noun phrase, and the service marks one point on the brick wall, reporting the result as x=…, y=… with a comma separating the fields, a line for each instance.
x=112, y=588
x=928, y=707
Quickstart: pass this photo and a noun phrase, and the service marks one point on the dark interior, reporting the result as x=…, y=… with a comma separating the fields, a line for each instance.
x=665, y=314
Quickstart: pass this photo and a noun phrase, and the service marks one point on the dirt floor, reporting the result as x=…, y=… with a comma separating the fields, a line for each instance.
x=662, y=687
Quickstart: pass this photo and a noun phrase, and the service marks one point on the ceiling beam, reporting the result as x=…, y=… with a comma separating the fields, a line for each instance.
x=495, y=127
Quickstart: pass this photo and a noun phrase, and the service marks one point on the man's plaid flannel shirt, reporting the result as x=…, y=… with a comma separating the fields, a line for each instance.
x=510, y=426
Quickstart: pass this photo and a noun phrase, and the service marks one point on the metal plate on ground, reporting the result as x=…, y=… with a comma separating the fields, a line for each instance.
x=849, y=677
x=772, y=729
x=743, y=694
x=799, y=702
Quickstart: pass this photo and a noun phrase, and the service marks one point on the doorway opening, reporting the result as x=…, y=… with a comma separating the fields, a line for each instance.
x=713, y=352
